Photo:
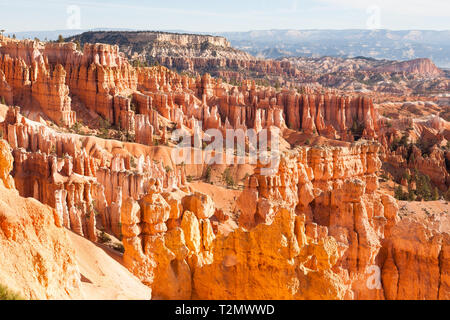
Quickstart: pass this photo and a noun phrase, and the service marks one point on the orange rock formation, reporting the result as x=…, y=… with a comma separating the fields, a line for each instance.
x=317, y=227
x=36, y=254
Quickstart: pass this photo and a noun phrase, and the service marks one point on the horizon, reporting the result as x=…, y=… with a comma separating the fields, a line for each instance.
x=216, y=17
x=111, y=29
x=234, y=37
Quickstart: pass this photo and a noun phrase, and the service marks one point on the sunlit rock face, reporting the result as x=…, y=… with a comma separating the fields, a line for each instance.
x=317, y=229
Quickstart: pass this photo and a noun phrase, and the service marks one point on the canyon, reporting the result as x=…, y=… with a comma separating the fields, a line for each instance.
x=198, y=54
x=88, y=169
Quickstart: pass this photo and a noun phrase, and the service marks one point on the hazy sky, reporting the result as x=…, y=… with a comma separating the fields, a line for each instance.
x=224, y=15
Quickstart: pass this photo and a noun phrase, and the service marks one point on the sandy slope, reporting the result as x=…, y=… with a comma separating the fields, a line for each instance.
x=102, y=276
x=434, y=213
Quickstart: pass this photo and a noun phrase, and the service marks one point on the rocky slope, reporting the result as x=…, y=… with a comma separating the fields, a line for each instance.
x=419, y=76
x=41, y=260
x=36, y=254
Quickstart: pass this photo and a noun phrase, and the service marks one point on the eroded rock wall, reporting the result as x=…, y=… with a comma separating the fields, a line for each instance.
x=317, y=228
x=36, y=254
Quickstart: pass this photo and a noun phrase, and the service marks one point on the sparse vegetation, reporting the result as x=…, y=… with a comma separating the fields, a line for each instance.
x=130, y=137
x=447, y=195
x=399, y=194
x=208, y=174
x=119, y=247
x=425, y=147
x=8, y=294
x=235, y=82
x=106, y=239
x=133, y=106
x=78, y=45
x=357, y=128
x=139, y=64
x=398, y=142
x=77, y=127
x=104, y=127
x=206, y=45
x=423, y=187
x=277, y=85
x=103, y=237
x=228, y=178
x=384, y=177
x=436, y=194
x=423, y=191
x=133, y=162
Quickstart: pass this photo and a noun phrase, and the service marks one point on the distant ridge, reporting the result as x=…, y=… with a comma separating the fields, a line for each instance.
x=52, y=35
x=380, y=44
x=399, y=45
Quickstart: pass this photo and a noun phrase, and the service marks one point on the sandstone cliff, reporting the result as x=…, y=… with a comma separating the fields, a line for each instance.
x=188, y=53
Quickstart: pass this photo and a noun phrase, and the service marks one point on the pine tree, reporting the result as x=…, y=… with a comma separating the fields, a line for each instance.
x=447, y=195
x=398, y=193
x=411, y=193
x=78, y=45
x=436, y=194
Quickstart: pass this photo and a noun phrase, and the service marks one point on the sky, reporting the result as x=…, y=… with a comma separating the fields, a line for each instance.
x=224, y=15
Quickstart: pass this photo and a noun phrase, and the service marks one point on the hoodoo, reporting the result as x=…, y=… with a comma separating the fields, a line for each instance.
x=139, y=165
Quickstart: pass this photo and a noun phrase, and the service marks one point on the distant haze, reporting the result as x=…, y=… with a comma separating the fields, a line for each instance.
x=221, y=16
x=378, y=44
